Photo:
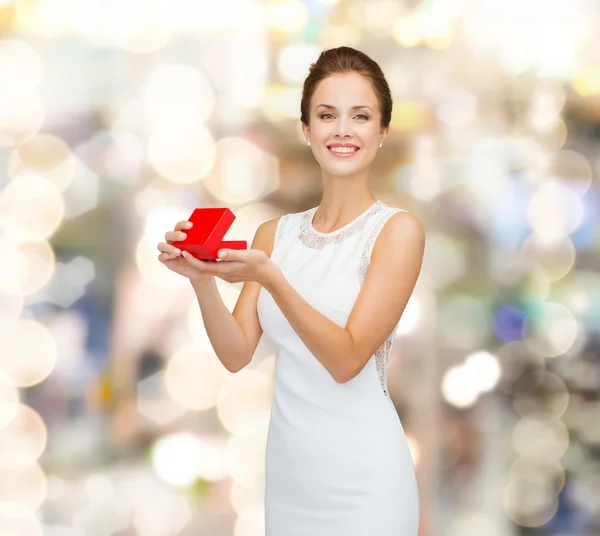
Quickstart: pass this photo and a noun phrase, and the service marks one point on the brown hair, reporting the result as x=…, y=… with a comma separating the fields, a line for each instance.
x=346, y=60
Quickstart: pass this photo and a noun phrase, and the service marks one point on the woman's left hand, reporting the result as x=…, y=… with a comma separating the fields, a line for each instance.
x=235, y=265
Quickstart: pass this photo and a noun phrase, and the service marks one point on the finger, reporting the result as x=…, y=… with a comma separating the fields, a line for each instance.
x=164, y=257
x=229, y=254
x=184, y=224
x=174, y=236
x=167, y=248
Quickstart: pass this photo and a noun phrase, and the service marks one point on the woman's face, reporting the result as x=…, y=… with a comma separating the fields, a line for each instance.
x=345, y=120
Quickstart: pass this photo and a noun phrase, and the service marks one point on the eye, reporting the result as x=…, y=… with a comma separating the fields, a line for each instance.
x=324, y=116
x=362, y=116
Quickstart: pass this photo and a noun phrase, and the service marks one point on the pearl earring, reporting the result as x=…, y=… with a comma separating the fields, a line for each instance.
x=380, y=145
x=308, y=141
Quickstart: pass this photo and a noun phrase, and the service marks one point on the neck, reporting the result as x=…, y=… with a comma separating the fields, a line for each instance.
x=344, y=198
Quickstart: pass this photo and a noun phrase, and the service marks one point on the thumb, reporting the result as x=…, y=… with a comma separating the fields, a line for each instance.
x=228, y=254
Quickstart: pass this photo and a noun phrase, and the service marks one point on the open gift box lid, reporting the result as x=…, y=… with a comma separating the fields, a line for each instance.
x=205, y=238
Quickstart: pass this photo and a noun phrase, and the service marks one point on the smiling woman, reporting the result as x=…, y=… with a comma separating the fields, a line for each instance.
x=328, y=286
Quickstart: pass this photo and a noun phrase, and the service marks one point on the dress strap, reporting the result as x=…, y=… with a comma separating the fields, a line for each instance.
x=365, y=257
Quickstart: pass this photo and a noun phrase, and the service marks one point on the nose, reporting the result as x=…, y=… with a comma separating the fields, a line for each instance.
x=343, y=127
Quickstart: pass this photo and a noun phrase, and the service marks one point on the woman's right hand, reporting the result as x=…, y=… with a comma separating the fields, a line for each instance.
x=171, y=256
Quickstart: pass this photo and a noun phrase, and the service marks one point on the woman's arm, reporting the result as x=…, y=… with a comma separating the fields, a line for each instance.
x=235, y=335
x=393, y=271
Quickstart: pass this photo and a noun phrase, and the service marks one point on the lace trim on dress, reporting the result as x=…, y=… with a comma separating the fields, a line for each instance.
x=280, y=227
x=312, y=239
x=382, y=355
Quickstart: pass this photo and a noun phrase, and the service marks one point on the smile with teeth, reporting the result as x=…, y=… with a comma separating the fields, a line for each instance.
x=343, y=151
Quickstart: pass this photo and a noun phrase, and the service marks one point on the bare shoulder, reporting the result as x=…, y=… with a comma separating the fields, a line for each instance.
x=403, y=230
x=265, y=236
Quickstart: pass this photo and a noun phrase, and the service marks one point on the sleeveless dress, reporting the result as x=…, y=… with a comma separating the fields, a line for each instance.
x=337, y=459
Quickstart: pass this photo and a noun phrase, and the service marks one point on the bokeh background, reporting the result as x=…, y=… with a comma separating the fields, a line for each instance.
x=118, y=118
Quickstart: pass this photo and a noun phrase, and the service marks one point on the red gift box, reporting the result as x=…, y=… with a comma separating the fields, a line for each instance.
x=205, y=238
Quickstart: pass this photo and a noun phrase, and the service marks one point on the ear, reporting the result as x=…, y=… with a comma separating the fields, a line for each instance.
x=384, y=133
x=306, y=132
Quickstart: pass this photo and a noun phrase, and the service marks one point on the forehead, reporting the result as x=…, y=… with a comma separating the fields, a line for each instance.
x=345, y=90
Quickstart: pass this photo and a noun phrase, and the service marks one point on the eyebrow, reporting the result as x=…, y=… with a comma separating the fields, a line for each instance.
x=331, y=107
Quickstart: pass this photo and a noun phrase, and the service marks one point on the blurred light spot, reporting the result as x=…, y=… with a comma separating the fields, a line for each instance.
x=572, y=169
x=160, y=513
x=293, y=61
x=456, y=107
x=22, y=439
x=407, y=31
x=242, y=172
x=251, y=520
x=426, y=179
x=536, y=438
x=551, y=330
x=546, y=105
x=464, y=322
x=148, y=200
x=22, y=491
x=194, y=377
x=22, y=526
x=44, y=17
x=249, y=218
x=443, y=261
x=81, y=195
x=20, y=68
x=153, y=400
x=287, y=15
x=459, y=387
x=540, y=395
x=124, y=156
x=587, y=82
x=245, y=459
x=243, y=497
x=183, y=152
x=181, y=458
x=45, y=155
x=25, y=266
x=408, y=116
x=557, y=257
x=244, y=402
x=31, y=207
x=177, y=93
x=70, y=281
x=9, y=401
x=471, y=522
x=554, y=211
x=338, y=34
x=530, y=497
x=21, y=117
x=516, y=359
x=485, y=368
x=411, y=317
x=11, y=306
x=508, y=323
x=106, y=511
x=29, y=352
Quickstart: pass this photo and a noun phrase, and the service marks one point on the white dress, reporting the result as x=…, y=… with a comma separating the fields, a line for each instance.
x=337, y=459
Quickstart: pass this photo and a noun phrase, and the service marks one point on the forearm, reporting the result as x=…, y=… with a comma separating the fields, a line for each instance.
x=331, y=344
x=225, y=334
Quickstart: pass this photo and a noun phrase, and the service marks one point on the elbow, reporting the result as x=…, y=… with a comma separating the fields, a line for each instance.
x=344, y=376
x=237, y=366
